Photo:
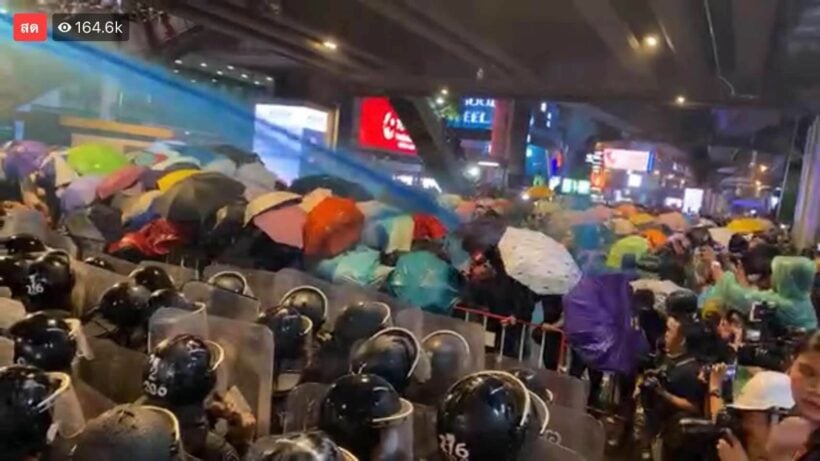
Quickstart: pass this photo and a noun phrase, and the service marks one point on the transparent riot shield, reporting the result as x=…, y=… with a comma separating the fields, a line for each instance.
x=248, y=354
x=544, y=449
x=92, y=282
x=338, y=295
x=566, y=390
x=260, y=282
x=577, y=431
x=423, y=323
x=222, y=303
x=396, y=435
x=425, y=438
x=66, y=408
x=6, y=352
x=179, y=274
x=264, y=447
x=116, y=372
x=120, y=266
x=11, y=311
x=301, y=411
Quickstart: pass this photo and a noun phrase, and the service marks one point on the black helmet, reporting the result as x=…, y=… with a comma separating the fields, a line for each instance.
x=310, y=302
x=24, y=244
x=181, y=371
x=738, y=244
x=485, y=416
x=99, y=262
x=152, y=277
x=534, y=382
x=392, y=354
x=169, y=297
x=49, y=282
x=290, y=331
x=361, y=321
x=449, y=358
x=13, y=272
x=355, y=410
x=25, y=416
x=44, y=342
x=125, y=305
x=681, y=303
x=306, y=446
x=231, y=281
x=130, y=432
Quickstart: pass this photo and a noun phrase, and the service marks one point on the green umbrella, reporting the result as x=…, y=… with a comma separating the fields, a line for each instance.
x=633, y=244
x=95, y=159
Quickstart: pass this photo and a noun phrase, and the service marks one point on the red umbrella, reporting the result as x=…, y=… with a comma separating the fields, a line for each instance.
x=119, y=180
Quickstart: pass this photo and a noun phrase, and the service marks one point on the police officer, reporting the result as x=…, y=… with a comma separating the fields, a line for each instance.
x=48, y=283
x=121, y=316
x=152, y=278
x=309, y=301
x=303, y=446
x=179, y=376
x=231, y=281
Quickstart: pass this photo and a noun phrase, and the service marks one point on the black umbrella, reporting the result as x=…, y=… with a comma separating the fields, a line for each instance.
x=338, y=186
x=197, y=198
x=237, y=155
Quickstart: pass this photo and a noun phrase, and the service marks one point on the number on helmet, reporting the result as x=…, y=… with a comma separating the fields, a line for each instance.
x=453, y=450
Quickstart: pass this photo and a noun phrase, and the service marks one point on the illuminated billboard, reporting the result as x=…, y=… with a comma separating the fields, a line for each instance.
x=628, y=159
x=381, y=128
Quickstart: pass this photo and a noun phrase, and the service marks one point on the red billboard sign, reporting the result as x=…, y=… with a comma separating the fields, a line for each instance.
x=380, y=127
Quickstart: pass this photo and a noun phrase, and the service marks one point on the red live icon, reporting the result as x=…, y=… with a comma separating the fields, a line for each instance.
x=30, y=27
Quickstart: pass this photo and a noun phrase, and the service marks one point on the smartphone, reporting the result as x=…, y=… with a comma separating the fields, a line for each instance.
x=752, y=335
x=731, y=370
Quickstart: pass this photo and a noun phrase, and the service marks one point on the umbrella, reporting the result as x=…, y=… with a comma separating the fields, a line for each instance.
x=359, y=266
x=749, y=225
x=482, y=233
x=466, y=209
x=95, y=159
x=238, y=156
x=655, y=237
x=600, y=326
x=55, y=166
x=421, y=279
x=186, y=162
x=255, y=175
x=721, y=235
x=145, y=158
x=626, y=209
x=391, y=232
x=221, y=165
x=621, y=226
x=538, y=262
x=315, y=197
x=284, y=224
x=169, y=180
x=80, y=193
x=539, y=192
x=135, y=206
x=24, y=158
x=338, y=186
x=202, y=155
x=119, y=180
x=674, y=220
x=641, y=219
x=543, y=207
x=332, y=226
x=268, y=201
x=198, y=197
x=634, y=245
x=427, y=227
x=449, y=201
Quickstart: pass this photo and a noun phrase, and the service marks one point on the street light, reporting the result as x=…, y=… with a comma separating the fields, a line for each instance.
x=651, y=41
x=763, y=168
x=680, y=100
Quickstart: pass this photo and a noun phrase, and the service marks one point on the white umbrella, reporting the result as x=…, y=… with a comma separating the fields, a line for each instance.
x=661, y=289
x=721, y=235
x=538, y=261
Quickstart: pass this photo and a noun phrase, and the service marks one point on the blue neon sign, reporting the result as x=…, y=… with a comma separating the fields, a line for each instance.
x=474, y=114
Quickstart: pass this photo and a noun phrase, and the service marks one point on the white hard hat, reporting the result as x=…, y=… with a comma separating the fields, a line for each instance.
x=766, y=390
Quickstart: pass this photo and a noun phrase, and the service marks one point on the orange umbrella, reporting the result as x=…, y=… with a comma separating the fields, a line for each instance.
x=332, y=227
x=655, y=237
x=626, y=209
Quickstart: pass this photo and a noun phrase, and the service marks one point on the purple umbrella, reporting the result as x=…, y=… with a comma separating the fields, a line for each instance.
x=24, y=158
x=600, y=324
x=80, y=193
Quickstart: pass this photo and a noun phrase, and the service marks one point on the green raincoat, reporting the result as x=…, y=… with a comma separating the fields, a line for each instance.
x=792, y=281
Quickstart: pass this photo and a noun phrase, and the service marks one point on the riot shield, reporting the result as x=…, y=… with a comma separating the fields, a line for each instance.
x=302, y=407
x=425, y=438
x=577, y=431
x=396, y=435
x=544, y=449
x=92, y=282
x=263, y=447
x=6, y=352
x=338, y=295
x=65, y=405
x=260, y=282
x=120, y=266
x=179, y=274
x=248, y=353
x=423, y=323
x=566, y=390
x=222, y=303
x=116, y=372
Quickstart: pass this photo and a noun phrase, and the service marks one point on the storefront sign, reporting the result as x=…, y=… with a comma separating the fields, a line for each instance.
x=475, y=114
x=380, y=127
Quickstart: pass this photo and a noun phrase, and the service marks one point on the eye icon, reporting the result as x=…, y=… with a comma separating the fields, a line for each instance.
x=64, y=27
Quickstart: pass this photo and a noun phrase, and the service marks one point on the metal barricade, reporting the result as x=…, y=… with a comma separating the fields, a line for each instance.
x=509, y=343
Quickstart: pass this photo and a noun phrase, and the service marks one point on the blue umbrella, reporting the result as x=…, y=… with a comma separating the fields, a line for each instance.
x=421, y=279
x=359, y=266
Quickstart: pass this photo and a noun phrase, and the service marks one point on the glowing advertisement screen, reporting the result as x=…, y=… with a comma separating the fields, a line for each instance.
x=627, y=159
x=381, y=128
